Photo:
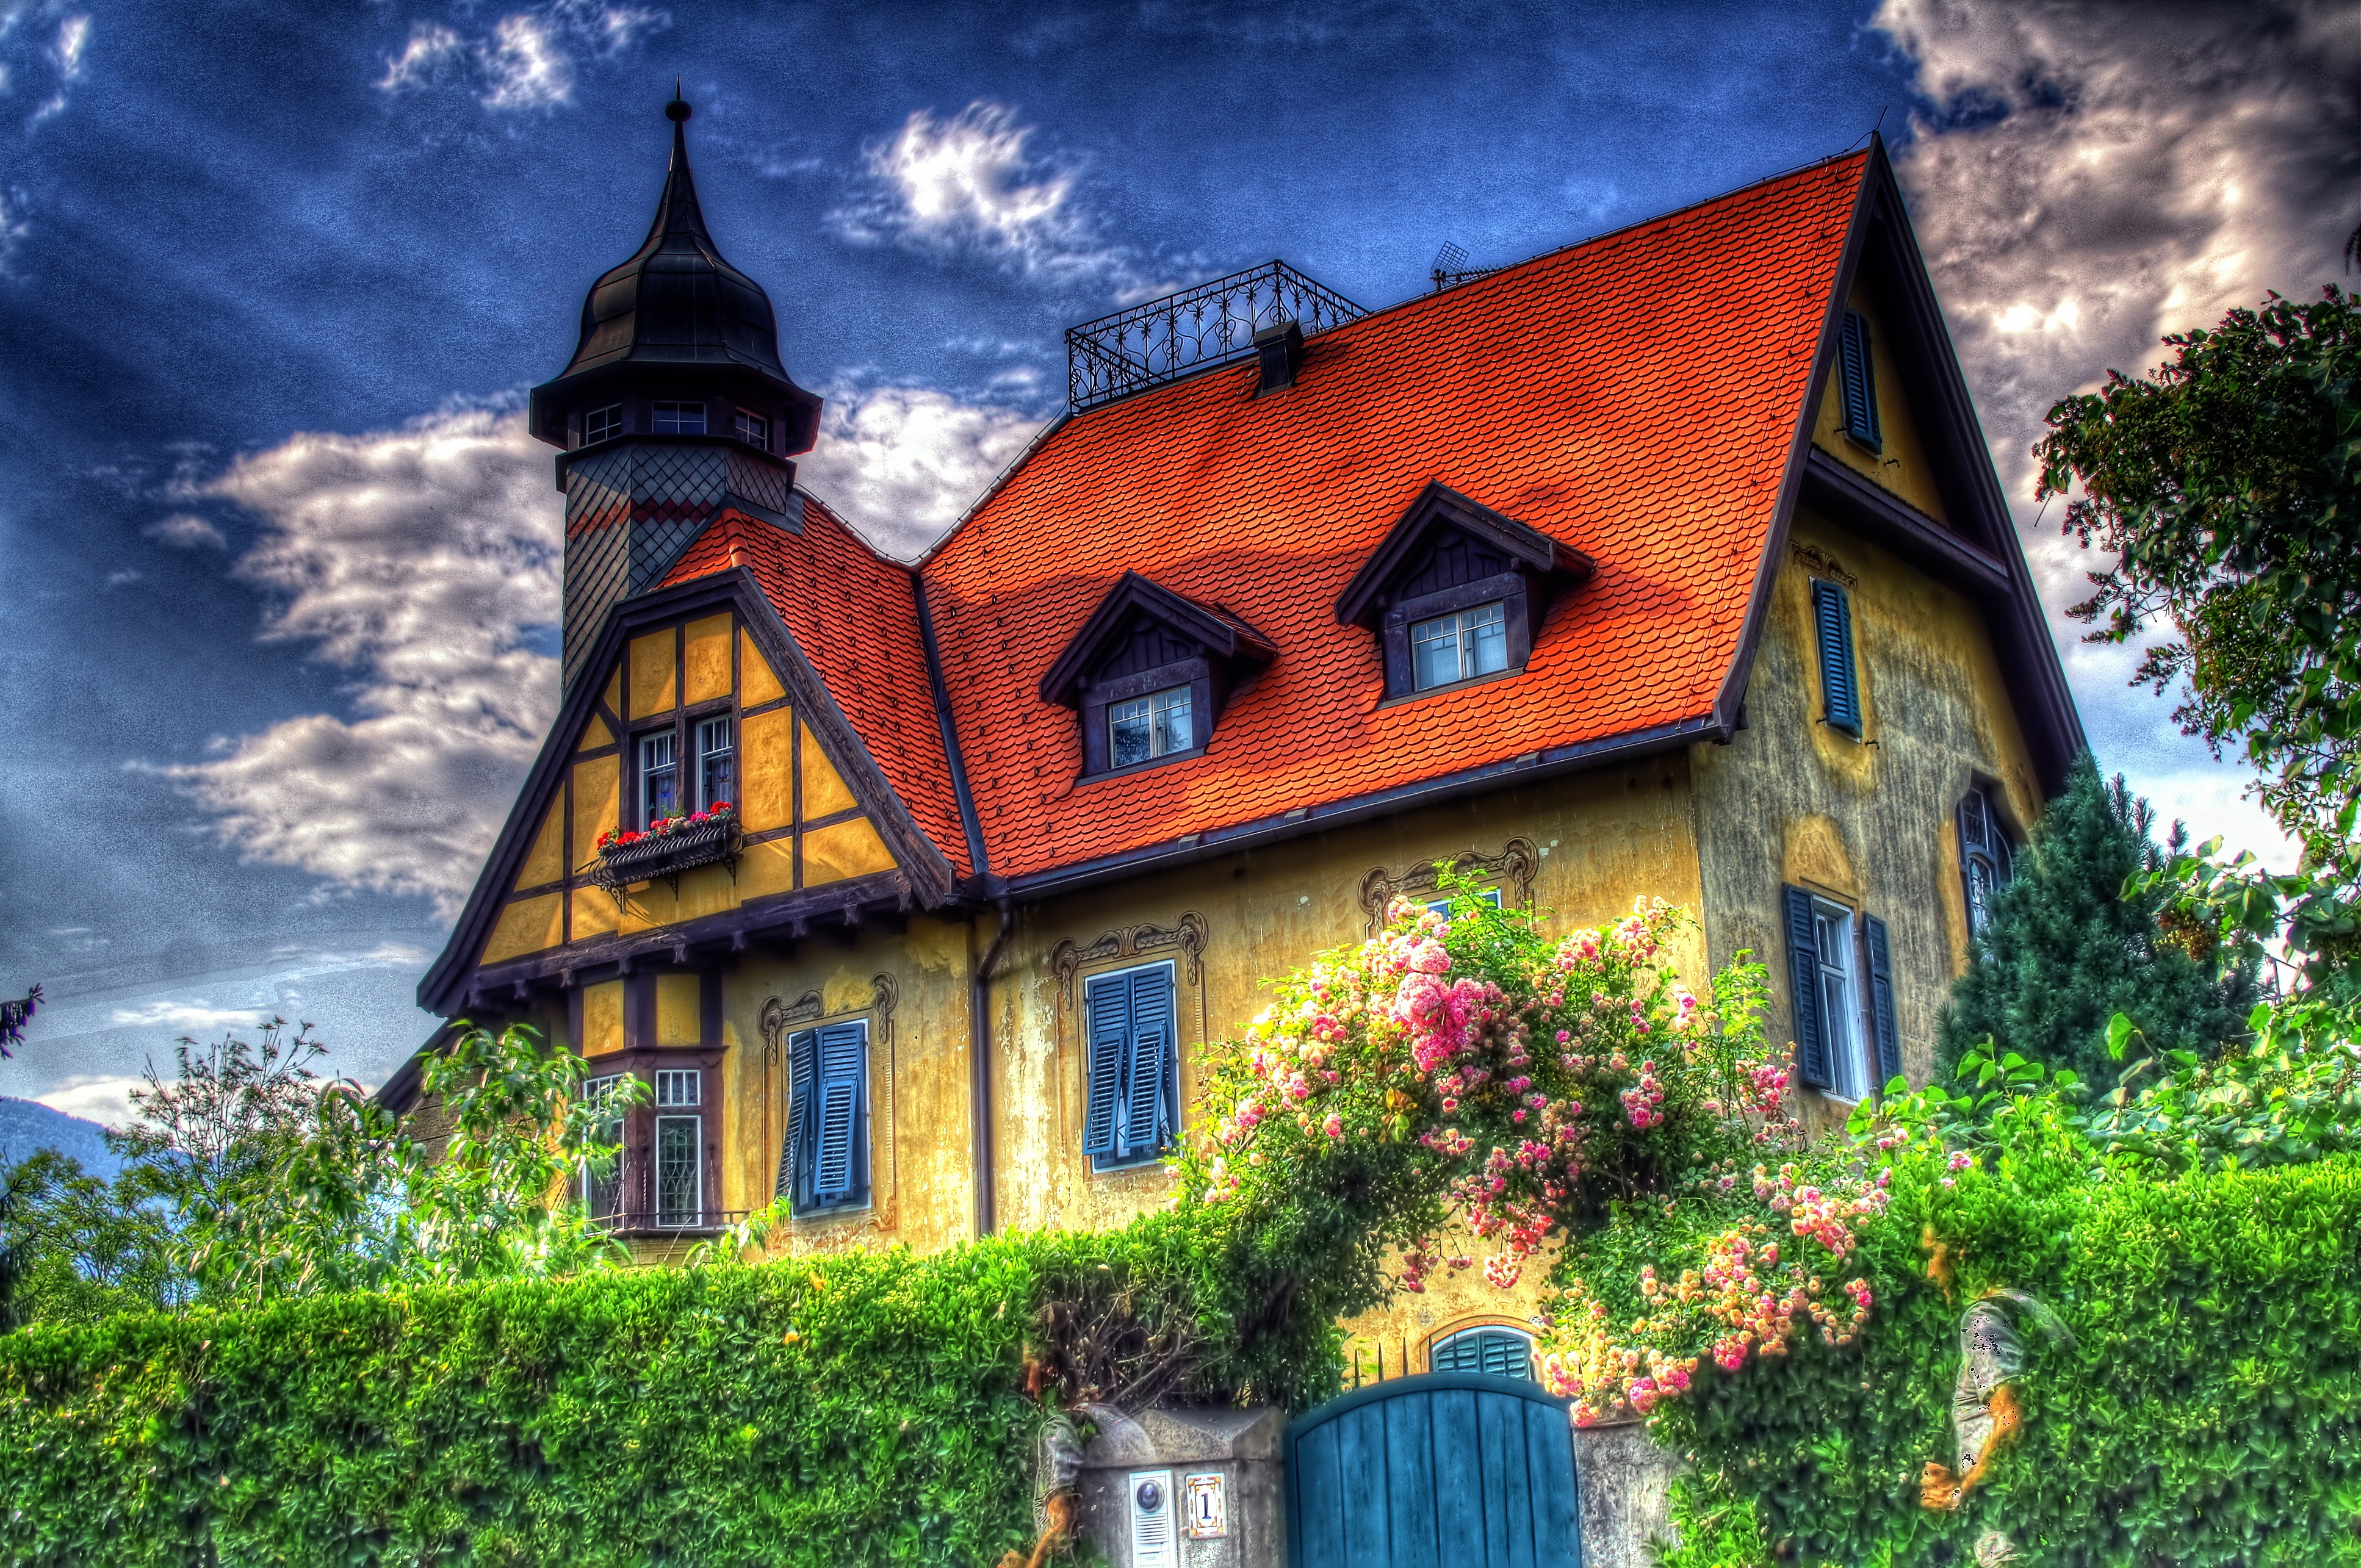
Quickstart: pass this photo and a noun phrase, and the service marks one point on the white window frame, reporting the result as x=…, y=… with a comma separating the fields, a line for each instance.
x=648, y=740
x=1836, y=931
x=754, y=430
x=1442, y=906
x=1156, y=708
x=595, y=1091
x=671, y=418
x=707, y=752
x=602, y=424
x=1465, y=628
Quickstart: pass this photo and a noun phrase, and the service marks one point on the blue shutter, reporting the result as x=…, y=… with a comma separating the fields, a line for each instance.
x=1106, y=1006
x=1880, y=1002
x=1146, y=1124
x=1859, y=373
x=1804, y=980
x=803, y=1073
x=843, y=1052
x=1832, y=618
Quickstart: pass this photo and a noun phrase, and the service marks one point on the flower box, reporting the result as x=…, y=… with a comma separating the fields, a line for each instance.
x=682, y=843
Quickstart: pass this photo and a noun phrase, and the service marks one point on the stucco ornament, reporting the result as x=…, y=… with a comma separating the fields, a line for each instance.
x=1986, y=1415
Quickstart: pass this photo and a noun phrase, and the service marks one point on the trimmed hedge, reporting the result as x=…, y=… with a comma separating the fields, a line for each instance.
x=869, y=1408
x=2209, y=1411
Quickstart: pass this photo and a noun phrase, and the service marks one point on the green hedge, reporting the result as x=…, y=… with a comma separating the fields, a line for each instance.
x=865, y=1408
x=2209, y=1411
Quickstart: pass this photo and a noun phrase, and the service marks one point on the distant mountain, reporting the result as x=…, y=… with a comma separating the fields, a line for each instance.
x=28, y=1125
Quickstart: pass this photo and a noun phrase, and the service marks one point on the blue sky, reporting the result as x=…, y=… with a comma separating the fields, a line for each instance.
x=273, y=277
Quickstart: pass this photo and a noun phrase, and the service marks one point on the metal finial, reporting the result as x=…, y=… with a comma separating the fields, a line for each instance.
x=677, y=111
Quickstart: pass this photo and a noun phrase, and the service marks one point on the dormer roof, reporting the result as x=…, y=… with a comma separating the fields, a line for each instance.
x=1438, y=514
x=1220, y=634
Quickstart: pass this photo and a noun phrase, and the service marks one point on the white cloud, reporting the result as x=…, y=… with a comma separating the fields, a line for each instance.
x=415, y=559
x=902, y=462
x=187, y=1017
x=527, y=60
x=119, y=579
x=185, y=530
x=526, y=66
x=967, y=187
x=2086, y=178
x=104, y=1100
x=74, y=36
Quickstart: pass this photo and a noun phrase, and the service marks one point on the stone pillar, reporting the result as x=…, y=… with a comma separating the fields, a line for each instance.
x=1626, y=1492
x=1241, y=1448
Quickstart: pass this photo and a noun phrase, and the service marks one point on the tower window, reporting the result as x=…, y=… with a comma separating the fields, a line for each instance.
x=1459, y=646
x=754, y=431
x=602, y=424
x=1148, y=727
x=680, y=419
x=714, y=757
x=659, y=777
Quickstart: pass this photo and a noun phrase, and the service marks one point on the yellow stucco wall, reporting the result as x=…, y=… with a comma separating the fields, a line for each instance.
x=1900, y=465
x=1869, y=822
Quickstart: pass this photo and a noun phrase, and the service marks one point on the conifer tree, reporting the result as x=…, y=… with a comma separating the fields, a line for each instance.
x=2064, y=951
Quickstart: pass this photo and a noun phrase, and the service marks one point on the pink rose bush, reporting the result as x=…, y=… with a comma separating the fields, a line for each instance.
x=1539, y=1092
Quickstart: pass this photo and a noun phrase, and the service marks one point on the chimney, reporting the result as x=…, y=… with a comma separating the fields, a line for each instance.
x=1281, y=347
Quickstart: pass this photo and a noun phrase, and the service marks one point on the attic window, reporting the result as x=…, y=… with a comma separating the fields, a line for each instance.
x=1455, y=593
x=1148, y=674
x=754, y=431
x=680, y=419
x=1145, y=728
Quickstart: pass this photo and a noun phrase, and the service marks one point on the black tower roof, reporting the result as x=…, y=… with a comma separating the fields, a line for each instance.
x=676, y=315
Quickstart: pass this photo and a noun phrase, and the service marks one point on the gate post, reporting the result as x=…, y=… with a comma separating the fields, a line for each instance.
x=1626, y=1492
x=1239, y=1447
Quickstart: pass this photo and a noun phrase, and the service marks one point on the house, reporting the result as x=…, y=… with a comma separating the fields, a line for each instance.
x=1671, y=562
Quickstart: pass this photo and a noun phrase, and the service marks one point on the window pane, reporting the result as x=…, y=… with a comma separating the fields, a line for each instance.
x=659, y=779
x=714, y=766
x=602, y=1189
x=677, y=1086
x=1172, y=721
x=1434, y=652
x=755, y=432
x=1488, y=636
x=1833, y=936
x=680, y=419
x=679, y=1170
x=1127, y=732
x=602, y=424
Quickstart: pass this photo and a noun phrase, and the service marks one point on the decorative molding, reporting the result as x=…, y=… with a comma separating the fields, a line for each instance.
x=778, y=1017
x=1518, y=863
x=1188, y=933
x=1820, y=561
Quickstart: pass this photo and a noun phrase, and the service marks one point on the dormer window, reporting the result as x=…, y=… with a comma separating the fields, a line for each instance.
x=680, y=419
x=1459, y=646
x=602, y=424
x=754, y=431
x=1150, y=672
x=1149, y=726
x=1455, y=593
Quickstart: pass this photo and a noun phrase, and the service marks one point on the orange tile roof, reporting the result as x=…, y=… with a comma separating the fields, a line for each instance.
x=1635, y=397
x=856, y=616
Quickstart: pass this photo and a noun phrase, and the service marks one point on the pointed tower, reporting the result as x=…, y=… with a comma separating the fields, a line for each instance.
x=674, y=409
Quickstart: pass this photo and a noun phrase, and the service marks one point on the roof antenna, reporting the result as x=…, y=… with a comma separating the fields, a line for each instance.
x=1451, y=268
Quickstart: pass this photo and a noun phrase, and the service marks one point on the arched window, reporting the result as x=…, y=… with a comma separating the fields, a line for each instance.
x=1503, y=1353
x=1983, y=856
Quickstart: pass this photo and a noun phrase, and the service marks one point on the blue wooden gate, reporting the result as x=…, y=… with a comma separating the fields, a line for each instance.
x=1450, y=1469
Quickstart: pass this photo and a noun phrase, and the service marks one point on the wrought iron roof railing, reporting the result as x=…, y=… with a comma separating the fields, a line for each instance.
x=1211, y=323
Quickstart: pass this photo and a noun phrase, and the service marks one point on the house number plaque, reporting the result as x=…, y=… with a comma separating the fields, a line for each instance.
x=1208, y=1509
